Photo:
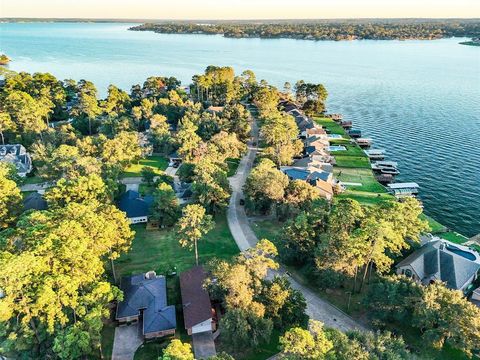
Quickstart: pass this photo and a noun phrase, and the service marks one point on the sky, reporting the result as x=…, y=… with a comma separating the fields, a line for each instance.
x=239, y=9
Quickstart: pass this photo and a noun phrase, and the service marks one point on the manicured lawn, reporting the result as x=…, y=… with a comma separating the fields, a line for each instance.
x=453, y=237
x=331, y=125
x=267, y=229
x=366, y=198
x=159, y=163
x=435, y=226
x=263, y=352
x=362, y=176
x=159, y=250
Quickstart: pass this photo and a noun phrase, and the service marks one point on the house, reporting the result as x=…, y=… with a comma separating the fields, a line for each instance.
x=17, y=155
x=197, y=308
x=441, y=260
x=321, y=180
x=34, y=201
x=145, y=301
x=136, y=208
x=476, y=297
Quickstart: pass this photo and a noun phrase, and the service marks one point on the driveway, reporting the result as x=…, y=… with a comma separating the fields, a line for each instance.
x=203, y=345
x=245, y=238
x=127, y=340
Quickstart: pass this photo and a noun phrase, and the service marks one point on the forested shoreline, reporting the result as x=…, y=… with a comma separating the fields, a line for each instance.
x=408, y=29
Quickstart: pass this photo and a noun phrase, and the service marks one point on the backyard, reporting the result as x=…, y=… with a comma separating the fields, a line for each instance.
x=158, y=163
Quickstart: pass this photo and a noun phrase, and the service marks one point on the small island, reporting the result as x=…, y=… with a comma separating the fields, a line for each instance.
x=473, y=42
x=4, y=59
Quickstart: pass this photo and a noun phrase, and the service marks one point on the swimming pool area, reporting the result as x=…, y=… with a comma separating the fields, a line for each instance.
x=463, y=253
x=334, y=136
x=334, y=148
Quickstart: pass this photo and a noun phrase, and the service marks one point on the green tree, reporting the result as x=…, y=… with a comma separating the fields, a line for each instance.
x=79, y=189
x=192, y=226
x=210, y=186
x=11, y=199
x=446, y=317
x=117, y=102
x=188, y=140
x=177, y=350
x=26, y=112
x=165, y=208
x=235, y=119
x=86, y=107
x=244, y=329
x=265, y=186
x=298, y=343
x=148, y=175
x=52, y=276
x=6, y=124
x=160, y=134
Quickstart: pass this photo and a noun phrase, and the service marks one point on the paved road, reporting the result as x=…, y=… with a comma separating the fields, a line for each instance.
x=245, y=238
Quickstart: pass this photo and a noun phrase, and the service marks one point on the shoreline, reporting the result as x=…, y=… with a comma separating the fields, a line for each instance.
x=368, y=197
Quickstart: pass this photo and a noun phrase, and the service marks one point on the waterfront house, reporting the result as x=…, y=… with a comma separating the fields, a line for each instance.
x=197, y=308
x=321, y=180
x=441, y=260
x=136, y=208
x=17, y=155
x=145, y=301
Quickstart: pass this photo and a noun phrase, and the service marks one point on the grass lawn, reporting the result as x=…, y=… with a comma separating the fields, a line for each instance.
x=232, y=166
x=32, y=180
x=363, y=176
x=159, y=163
x=330, y=125
x=434, y=224
x=263, y=352
x=453, y=237
x=159, y=250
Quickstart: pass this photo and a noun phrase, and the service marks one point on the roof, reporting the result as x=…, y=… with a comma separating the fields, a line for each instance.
x=149, y=295
x=215, y=109
x=319, y=175
x=17, y=155
x=134, y=205
x=297, y=174
x=196, y=302
x=325, y=186
x=445, y=261
x=34, y=201
x=403, y=185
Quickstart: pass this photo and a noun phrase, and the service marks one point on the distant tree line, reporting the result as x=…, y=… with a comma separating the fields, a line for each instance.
x=326, y=30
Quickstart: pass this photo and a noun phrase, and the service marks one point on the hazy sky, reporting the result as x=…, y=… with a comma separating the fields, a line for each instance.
x=238, y=9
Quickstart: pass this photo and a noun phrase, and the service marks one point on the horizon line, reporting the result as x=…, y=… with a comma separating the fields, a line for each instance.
x=227, y=19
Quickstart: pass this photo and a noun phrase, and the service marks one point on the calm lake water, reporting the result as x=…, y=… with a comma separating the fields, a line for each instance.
x=420, y=100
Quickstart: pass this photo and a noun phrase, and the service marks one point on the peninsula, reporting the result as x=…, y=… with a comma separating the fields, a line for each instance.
x=4, y=59
x=351, y=29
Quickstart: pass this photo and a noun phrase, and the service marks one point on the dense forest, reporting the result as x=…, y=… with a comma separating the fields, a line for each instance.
x=325, y=30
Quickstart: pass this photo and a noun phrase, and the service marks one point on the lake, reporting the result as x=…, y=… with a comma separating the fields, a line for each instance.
x=419, y=100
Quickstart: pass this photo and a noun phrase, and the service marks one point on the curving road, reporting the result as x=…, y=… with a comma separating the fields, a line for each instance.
x=245, y=238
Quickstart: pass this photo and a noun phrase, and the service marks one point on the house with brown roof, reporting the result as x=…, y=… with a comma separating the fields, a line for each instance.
x=197, y=308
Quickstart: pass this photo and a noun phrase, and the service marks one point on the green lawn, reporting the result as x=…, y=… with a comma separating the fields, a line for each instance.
x=159, y=250
x=435, y=226
x=330, y=125
x=32, y=180
x=267, y=229
x=362, y=176
x=159, y=163
x=453, y=237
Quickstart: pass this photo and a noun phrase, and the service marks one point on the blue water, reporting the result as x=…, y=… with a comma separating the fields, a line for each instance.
x=419, y=100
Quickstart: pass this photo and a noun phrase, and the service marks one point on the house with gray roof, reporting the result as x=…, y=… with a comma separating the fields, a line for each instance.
x=136, y=208
x=321, y=180
x=34, y=201
x=17, y=155
x=441, y=260
x=145, y=300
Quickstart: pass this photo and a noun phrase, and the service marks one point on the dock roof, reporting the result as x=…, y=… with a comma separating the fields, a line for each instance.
x=409, y=185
